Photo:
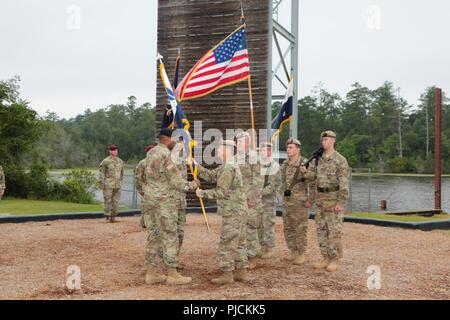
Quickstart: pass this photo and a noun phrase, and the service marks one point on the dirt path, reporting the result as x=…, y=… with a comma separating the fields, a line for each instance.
x=34, y=258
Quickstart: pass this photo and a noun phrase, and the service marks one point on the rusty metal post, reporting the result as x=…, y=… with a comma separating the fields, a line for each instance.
x=437, y=150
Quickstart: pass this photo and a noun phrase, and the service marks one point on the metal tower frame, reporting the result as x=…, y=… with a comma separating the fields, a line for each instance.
x=277, y=29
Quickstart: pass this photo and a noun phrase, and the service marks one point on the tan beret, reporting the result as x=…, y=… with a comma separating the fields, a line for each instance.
x=330, y=134
x=266, y=145
x=293, y=141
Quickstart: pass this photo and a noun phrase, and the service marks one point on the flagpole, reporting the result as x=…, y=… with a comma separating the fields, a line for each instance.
x=250, y=93
x=160, y=57
x=252, y=114
x=195, y=177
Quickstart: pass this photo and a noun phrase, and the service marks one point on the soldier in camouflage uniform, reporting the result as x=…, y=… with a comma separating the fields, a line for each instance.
x=181, y=164
x=270, y=170
x=110, y=182
x=253, y=183
x=140, y=180
x=331, y=176
x=297, y=200
x=232, y=206
x=2, y=182
x=162, y=178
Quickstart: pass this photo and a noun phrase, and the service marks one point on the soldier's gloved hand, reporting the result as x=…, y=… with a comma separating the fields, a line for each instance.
x=191, y=161
x=308, y=205
x=197, y=182
x=338, y=208
x=199, y=193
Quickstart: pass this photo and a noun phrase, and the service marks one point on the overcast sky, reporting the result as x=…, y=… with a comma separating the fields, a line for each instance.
x=68, y=65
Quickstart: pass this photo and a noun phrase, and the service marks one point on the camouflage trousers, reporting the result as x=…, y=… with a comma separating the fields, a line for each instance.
x=253, y=221
x=266, y=227
x=329, y=226
x=233, y=242
x=146, y=221
x=162, y=227
x=295, y=225
x=111, y=199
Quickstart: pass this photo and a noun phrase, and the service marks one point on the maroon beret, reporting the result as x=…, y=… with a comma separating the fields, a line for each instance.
x=113, y=147
x=149, y=147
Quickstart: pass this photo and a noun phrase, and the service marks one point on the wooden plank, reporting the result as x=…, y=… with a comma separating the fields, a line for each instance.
x=194, y=27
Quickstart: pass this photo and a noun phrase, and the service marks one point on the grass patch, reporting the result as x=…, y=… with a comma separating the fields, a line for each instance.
x=24, y=207
x=399, y=218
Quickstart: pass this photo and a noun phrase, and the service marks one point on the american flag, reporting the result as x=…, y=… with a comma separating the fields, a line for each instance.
x=224, y=65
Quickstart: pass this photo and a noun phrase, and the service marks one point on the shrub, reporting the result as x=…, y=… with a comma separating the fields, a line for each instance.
x=79, y=186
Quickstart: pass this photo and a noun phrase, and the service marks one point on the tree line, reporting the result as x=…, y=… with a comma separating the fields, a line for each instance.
x=376, y=129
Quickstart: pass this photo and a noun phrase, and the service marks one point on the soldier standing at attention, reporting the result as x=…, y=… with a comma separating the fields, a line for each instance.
x=140, y=180
x=297, y=200
x=110, y=182
x=232, y=205
x=162, y=178
x=2, y=183
x=331, y=175
x=253, y=183
x=270, y=170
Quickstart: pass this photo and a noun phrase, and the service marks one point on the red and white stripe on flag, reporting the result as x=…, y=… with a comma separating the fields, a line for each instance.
x=211, y=72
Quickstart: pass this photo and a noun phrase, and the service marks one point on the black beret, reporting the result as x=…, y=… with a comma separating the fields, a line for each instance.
x=167, y=132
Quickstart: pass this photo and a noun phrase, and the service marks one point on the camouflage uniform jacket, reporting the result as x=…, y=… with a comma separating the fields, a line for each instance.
x=331, y=172
x=111, y=173
x=301, y=189
x=272, y=181
x=229, y=191
x=140, y=176
x=163, y=179
x=2, y=179
x=181, y=167
x=253, y=181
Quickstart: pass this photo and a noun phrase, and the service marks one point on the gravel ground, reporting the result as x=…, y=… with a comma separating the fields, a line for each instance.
x=34, y=258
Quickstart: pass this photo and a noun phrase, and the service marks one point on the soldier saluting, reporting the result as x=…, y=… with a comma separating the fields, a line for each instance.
x=331, y=175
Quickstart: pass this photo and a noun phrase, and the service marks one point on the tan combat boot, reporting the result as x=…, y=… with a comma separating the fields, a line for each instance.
x=152, y=277
x=262, y=251
x=299, y=259
x=252, y=263
x=107, y=218
x=173, y=277
x=226, y=278
x=267, y=254
x=333, y=266
x=113, y=219
x=241, y=275
x=322, y=264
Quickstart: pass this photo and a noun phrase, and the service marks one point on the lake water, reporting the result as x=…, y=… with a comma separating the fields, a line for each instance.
x=401, y=193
